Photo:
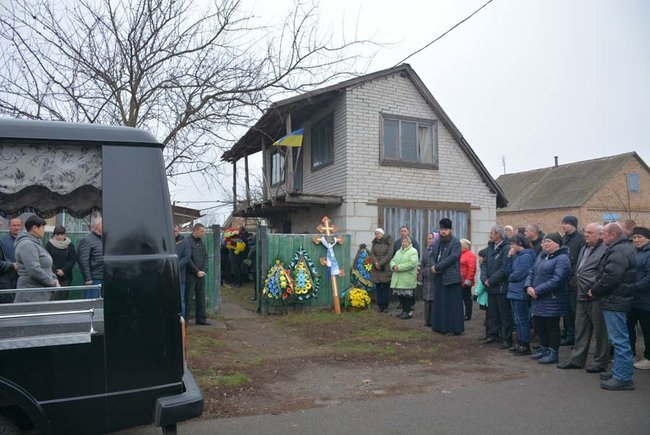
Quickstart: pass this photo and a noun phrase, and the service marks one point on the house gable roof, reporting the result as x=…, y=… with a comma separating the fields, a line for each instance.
x=272, y=125
x=563, y=186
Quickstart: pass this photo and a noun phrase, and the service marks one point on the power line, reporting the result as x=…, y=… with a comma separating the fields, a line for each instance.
x=439, y=37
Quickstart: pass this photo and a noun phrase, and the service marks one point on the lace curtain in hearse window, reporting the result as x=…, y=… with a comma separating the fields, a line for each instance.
x=48, y=179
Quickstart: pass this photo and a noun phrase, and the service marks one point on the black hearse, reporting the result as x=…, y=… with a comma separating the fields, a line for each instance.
x=117, y=361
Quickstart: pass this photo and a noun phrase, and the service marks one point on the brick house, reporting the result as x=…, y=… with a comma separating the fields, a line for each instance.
x=378, y=150
x=608, y=189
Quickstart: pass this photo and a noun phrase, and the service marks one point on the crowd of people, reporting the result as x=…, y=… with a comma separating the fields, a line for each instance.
x=25, y=263
x=562, y=288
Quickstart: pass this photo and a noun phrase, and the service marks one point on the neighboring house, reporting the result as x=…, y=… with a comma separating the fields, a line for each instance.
x=603, y=190
x=185, y=216
x=378, y=150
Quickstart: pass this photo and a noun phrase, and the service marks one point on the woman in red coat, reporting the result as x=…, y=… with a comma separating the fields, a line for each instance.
x=467, y=273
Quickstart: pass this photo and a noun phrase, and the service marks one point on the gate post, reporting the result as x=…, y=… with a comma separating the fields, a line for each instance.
x=264, y=266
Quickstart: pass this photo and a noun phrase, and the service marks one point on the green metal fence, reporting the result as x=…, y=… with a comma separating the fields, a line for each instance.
x=283, y=247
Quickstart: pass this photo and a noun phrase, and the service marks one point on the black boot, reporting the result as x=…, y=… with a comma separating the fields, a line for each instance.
x=524, y=349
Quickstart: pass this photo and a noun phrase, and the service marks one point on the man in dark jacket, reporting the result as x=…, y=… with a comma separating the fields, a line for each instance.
x=404, y=232
x=91, y=257
x=534, y=233
x=183, y=253
x=195, y=274
x=589, y=317
x=574, y=240
x=8, y=269
x=641, y=305
x=614, y=286
x=494, y=278
x=9, y=279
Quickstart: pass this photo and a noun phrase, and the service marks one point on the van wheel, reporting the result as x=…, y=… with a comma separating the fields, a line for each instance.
x=167, y=430
x=8, y=427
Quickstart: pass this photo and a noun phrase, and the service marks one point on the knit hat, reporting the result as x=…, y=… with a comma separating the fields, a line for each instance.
x=555, y=237
x=379, y=230
x=445, y=223
x=641, y=231
x=571, y=220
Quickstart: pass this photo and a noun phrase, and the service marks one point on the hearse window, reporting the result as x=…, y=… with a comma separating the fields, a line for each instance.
x=49, y=179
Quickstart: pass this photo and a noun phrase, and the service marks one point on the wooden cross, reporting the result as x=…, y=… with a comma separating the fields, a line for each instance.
x=328, y=230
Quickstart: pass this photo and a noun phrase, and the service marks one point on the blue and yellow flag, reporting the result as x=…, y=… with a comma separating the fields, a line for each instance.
x=293, y=139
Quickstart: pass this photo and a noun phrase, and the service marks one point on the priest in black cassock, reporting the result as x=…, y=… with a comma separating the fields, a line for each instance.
x=448, y=294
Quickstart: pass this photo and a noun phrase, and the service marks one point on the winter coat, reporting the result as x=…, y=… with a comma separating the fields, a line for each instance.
x=91, y=257
x=615, y=282
x=550, y=278
x=381, y=252
x=34, y=268
x=446, y=258
x=586, y=275
x=63, y=257
x=8, y=275
x=574, y=242
x=426, y=275
x=467, y=268
x=198, y=258
x=183, y=253
x=481, y=294
x=537, y=243
x=642, y=296
x=493, y=268
x=518, y=267
x=406, y=259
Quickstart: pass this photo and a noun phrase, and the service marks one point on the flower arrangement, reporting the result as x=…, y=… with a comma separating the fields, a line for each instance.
x=278, y=284
x=305, y=276
x=361, y=268
x=233, y=242
x=358, y=297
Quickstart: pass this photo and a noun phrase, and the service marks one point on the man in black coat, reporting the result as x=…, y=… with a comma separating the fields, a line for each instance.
x=8, y=270
x=448, y=295
x=615, y=284
x=195, y=279
x=404, y=232
x=494, y=278
x=575, y=241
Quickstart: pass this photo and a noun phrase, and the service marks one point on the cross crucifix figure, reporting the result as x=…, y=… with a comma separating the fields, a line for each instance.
x=330, y=260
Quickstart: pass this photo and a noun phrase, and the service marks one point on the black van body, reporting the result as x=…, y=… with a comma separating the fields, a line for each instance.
x=132, y=371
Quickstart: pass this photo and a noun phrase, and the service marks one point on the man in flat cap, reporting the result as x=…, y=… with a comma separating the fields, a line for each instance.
x=575, y=241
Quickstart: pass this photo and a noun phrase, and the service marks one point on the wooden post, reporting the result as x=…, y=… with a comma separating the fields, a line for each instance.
x=248, y=185
x=263, y=254
x=288, y=168
x=329, y=230
x=234, y=186
x=216, y=267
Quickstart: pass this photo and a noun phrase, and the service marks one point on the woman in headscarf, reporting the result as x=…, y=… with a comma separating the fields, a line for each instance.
x=380, y=274
x=404, y=280
x=426, y=277
x=64, y=257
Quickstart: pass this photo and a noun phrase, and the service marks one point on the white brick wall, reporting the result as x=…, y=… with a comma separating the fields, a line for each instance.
x=358, y=176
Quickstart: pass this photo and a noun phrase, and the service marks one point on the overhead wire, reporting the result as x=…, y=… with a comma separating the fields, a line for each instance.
x=440, y=37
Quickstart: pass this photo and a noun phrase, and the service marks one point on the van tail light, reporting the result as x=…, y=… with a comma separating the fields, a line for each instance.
x=184, y=339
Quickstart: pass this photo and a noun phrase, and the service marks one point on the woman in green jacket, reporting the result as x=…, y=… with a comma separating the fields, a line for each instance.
x=404, y=280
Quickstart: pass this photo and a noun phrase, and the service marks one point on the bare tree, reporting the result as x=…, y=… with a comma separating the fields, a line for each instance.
x=191, y=76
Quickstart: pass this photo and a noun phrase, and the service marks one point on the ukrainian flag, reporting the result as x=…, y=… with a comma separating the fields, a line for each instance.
x=293, y=139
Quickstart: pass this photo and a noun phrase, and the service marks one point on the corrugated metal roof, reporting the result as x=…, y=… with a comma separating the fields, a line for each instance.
x=563, y=186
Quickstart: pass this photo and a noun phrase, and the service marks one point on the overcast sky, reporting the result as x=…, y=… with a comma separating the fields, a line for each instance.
x=523, y=79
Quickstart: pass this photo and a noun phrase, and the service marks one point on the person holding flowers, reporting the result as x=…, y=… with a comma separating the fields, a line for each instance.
x=404, y=280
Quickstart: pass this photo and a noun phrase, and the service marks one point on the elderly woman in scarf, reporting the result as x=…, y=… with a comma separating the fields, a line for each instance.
x=404, y=280
x=426, y=277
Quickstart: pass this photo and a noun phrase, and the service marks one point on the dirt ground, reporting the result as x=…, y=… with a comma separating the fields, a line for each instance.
x=250, y=364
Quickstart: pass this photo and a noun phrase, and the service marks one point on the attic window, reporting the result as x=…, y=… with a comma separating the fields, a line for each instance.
x=407, y=141
x=322, y=142
x=633, y=182
x=277, y=166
